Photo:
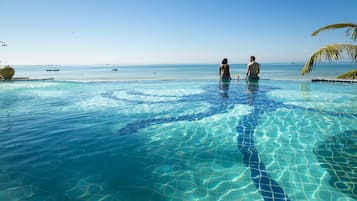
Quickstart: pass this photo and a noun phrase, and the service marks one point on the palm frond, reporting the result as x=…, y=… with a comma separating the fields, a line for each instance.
x=352, y=33
x=331, y=53
x=351, y=29
x=349, y=75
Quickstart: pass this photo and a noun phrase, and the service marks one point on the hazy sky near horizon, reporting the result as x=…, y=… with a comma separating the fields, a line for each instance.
x=167, y=31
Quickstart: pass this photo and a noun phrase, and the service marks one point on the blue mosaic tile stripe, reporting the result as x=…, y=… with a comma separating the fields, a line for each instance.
x=135, y=126
x=267, y=186
x=337, y=155
x=257, y=98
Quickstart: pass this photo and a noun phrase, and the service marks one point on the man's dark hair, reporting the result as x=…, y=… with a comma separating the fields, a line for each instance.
x=252, y=58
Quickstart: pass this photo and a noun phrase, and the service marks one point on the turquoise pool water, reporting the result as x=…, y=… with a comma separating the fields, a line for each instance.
x=178, y=140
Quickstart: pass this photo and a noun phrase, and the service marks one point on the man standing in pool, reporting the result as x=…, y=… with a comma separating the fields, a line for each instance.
x=253, y=70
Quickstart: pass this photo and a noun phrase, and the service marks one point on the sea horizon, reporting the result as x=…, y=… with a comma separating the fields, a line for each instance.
x=183, y=63
x=115, y=72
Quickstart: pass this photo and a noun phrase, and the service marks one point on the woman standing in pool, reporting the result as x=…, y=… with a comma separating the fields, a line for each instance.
x=224, y=73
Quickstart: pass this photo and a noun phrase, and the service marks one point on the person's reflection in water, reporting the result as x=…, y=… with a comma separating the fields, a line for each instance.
x=253, y=88
x=223, y=88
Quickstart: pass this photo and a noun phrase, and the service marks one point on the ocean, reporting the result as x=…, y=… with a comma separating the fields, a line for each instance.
x=274, y=71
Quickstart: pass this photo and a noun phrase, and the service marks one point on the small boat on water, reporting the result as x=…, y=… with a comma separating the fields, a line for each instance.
x=54, y=69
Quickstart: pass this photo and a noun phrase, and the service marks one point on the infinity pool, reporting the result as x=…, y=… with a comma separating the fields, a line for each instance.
x=178, y=140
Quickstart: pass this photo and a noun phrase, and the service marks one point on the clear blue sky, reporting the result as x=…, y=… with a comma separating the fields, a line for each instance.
x=167, y=31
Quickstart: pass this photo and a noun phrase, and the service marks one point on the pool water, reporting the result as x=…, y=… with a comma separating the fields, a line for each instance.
x=178, y=140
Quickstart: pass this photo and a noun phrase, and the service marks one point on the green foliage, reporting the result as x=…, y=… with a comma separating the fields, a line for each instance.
x=351, y=31
x=7, y=72
x=349, y=75
x=333, y=52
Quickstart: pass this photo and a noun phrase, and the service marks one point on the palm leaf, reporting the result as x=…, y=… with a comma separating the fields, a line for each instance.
x=349, y=75
x=352, y=33
x=331, y=53
x=351, y=29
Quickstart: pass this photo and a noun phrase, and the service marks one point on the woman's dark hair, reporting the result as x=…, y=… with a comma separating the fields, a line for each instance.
x=225, y=61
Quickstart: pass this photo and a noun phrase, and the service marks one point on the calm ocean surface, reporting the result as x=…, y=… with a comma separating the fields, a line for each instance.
x=278, y=71
x=174, y=132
